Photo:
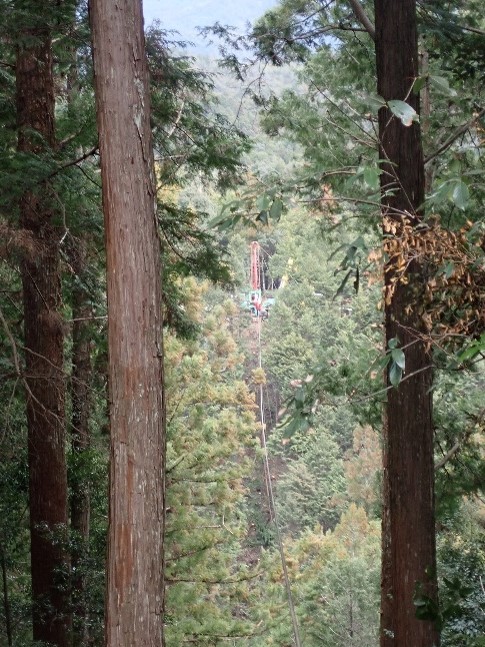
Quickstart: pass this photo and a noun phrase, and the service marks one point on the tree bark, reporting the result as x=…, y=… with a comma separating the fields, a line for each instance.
x=6, y=600
x=408, y=538
x=135, y=600
x=44, y=338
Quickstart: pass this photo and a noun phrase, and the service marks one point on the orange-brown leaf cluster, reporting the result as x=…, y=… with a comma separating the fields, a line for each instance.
x=447, y=272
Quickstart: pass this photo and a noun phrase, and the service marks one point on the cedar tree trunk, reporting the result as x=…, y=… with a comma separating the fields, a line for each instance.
x=408, y=538
x=44, y=339
x=134, y=603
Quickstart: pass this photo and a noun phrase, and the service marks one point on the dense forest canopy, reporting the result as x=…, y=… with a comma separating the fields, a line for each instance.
x=242, y=327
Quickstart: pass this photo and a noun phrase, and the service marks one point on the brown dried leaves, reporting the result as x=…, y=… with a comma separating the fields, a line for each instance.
x=448, y=272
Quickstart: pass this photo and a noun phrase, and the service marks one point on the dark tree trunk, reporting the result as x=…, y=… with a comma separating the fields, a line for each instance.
x=44, y=339
x=134, y=606
x=408, y=515
x=81, y=380
x=6, y=601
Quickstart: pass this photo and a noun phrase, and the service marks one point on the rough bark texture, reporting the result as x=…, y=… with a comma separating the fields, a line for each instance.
x=408, y=487
x=135, y=543
x=81, y=380
x=44, y=349
x=7, y=612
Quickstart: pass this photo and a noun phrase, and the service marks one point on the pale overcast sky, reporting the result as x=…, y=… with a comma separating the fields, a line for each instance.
x=185, y=15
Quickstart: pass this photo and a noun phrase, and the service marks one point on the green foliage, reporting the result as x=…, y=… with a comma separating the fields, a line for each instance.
x=315, y=365
x=295, y=27
x=211, y=423
x=395, y=359
x=454, y=32
x=473, y=349
x=191, y=136
x=332, y=117
x=322, y=352
x=310, y=488
x=204, y=147
x=459, y=438
x=462, y=558
x=345, y=599
x=335, y=582
x=403, y=111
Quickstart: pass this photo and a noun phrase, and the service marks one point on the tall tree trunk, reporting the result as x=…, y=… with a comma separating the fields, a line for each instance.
x=408, y=516
x=6, y=601
x=134, y=604
x=44, y=349
x=80, y=439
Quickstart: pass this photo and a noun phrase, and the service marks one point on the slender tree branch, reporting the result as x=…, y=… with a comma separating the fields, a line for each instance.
x=196, y=640
x=191, y=553
x=13, y=344
x=67, y=140
x=461, y=130
x=83, y=157
x=18, y=369
x=93, y=318
x=177, y=119
x=449, y=454
x=460, y=442
x=474, y=30
x=363, y=18
x=203, y=580
x=88, y=177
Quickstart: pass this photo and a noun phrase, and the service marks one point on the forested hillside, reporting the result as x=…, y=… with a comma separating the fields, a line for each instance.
x=242, y=328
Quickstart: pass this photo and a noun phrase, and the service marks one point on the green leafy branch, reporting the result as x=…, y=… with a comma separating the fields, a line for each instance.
x=395, y=360
x=249, y=208
x=428, y=609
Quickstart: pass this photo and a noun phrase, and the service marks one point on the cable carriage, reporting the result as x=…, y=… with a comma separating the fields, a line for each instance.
x=258, y=300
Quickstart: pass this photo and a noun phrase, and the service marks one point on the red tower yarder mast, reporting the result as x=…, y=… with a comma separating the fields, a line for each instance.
x=255, y=267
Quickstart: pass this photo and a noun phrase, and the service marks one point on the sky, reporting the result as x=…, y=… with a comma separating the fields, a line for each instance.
x=186, y=15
